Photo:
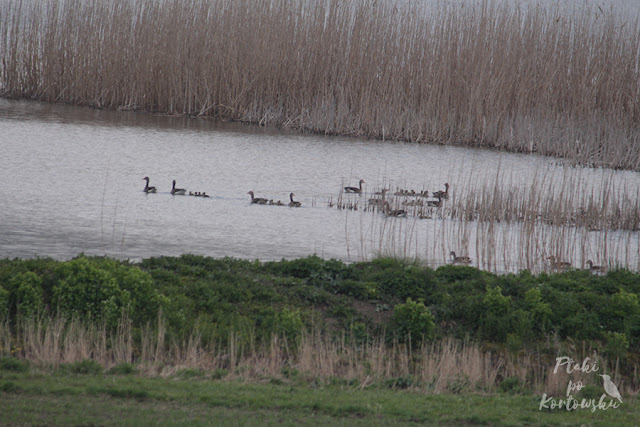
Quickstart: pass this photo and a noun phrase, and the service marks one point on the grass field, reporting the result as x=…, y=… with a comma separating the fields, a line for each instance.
x=63, y=399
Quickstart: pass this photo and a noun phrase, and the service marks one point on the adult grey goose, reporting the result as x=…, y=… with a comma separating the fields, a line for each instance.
x=177, y=191
x=257, y=200
x=147, y=188
x=355, y=189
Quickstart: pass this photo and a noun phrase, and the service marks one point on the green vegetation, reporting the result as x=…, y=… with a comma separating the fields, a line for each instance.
x=63, y=399
x=258, y=300
x=308, y=338
x=222, y=303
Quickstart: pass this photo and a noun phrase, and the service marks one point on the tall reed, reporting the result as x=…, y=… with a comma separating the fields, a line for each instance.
x=531, y=78
x=445, y=366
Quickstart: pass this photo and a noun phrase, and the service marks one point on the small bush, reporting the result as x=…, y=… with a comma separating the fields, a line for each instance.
x=189, y=373
x=400, y=382
x=10, y=387
x=127, y=393
x=591, y=392
x=512, y=385
x=123, y=369
x=85, y=367
x=12, y=364
x=219, y=373
x=414, y=320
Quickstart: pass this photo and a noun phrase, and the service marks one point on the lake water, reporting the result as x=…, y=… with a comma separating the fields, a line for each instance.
x=72, y=182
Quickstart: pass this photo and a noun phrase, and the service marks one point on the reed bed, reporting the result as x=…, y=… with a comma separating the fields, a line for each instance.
x=445, y=366
x=541, y=79
x=503, y=224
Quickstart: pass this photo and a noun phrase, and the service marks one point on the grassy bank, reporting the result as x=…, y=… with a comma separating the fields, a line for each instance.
x=64, y=397
x=534, y=79
x=449, y=330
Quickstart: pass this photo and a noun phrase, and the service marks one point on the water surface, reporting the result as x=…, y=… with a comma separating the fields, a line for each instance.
x=72, y=183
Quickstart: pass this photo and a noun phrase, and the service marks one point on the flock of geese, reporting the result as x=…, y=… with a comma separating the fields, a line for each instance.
x=255, y=200
x=440, y=195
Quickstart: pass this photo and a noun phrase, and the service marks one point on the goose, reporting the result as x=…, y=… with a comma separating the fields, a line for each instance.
x=435, y=203
x=177, y=191
x=191, y=193
x=595, y=268
x=354, y=189
x=204, y=194
x=147, y=188
x=257, y=200
x=393, y=212
x=293, y=203
x=459, y=259
x=556, y=263
x=442, y=194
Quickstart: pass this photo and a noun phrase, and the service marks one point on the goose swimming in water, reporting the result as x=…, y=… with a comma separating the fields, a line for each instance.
x=354, y=189
x=442, y=194
x=393, y=212
x=147, y=188
x=435, y=203
x=257, y=200
x=177, y=191
x=459, y=259
x=293, y=203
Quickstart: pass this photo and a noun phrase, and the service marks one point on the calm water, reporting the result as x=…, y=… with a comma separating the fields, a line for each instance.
x=72, y=182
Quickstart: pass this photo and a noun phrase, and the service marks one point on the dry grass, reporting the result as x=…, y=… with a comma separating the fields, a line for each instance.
x=534, y=79
x=441, y=367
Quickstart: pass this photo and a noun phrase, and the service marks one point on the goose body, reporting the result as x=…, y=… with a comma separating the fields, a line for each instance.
x=177, y=191
x=354, y=189
x=293, y=203
x=435, y=203
x=595, y=268
x=442, y=194
x=393, y=212
x=459, y=259
x=148, y=189
x=257, y=200
x=557, y=264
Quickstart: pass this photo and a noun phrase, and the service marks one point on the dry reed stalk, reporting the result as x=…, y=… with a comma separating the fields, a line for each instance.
x=535, y=79
x=438, y=367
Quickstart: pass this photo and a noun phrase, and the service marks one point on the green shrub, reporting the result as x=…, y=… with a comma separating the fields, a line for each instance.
x=103, y=289
x=28, y=293
x=8, y=363
x=590, y=392
x=85, y=367
x=86, y=289
x=4, y=303
x=10, y=387
x=496, y=320
x=123, y=369
x=219, y=373
x=617, y=346
x=413, y=319
x=189, y=373
x=512, y=385
x=400, y=382
x=289, y=323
